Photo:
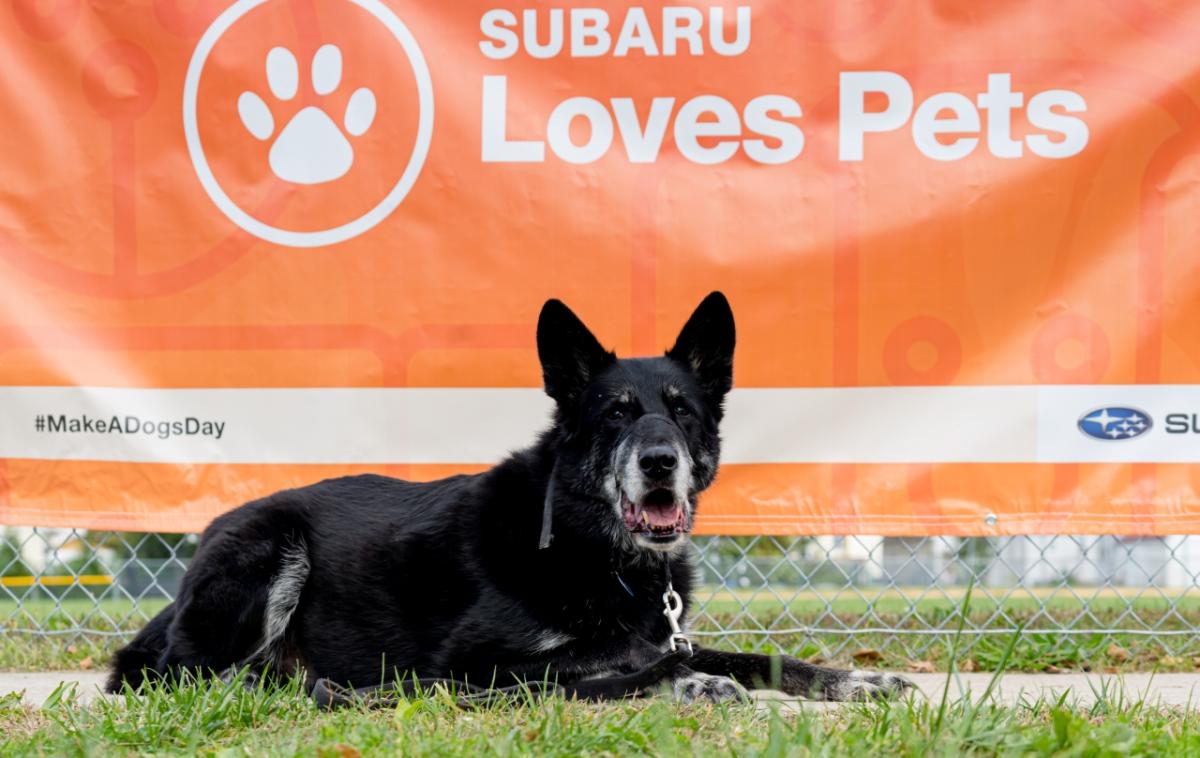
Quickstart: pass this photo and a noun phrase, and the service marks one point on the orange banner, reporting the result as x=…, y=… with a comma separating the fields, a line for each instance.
x=247, y=245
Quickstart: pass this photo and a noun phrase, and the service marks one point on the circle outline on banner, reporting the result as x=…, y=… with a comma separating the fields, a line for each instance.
x=350, y=229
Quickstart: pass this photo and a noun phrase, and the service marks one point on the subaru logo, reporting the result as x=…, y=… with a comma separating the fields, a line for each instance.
x=1115, y=423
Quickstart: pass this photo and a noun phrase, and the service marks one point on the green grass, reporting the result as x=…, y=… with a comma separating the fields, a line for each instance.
x=1120, y=618
x=226, y=719
x=64, y=649
x=215, y=718
x=821, y=620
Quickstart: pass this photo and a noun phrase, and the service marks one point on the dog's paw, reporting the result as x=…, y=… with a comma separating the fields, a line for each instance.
x=717, y=689
x=249, y=679
x=869, y=685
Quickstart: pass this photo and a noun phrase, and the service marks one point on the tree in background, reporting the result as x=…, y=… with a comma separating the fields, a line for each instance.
x=10, y=555
x=151, y=545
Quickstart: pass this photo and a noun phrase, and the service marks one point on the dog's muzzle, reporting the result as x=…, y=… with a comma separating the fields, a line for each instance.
x=654, y=477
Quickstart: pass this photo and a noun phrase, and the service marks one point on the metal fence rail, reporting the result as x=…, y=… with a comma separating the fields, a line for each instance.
x=821, y=597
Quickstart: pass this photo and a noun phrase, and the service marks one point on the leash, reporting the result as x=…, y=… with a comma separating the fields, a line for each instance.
x=547, y=535
x=328, y=694
x=673, y=610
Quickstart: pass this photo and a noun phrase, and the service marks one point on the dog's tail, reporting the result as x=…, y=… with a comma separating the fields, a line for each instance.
x=137, y=662
x=283, y=597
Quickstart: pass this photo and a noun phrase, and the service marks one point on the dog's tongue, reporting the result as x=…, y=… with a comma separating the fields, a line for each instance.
x=663, y=515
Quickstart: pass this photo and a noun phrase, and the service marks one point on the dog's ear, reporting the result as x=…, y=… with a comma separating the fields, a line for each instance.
x=571, y=357
x=705, y=345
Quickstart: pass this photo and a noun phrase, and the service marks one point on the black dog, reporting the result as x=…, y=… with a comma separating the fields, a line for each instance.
x=364, y=577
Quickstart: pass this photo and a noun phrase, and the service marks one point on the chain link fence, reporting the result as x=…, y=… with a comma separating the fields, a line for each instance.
x=885, y=600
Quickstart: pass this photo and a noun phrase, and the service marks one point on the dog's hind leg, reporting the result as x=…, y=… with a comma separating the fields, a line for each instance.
x=137, y=661
x=235, y=603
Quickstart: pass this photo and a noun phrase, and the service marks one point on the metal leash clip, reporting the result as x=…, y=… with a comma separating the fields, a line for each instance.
x=673, y=610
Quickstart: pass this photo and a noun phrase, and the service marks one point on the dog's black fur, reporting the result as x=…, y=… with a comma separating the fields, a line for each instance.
x=364, y=577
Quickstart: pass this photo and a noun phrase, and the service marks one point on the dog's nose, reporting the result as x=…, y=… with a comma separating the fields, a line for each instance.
x=658, y=461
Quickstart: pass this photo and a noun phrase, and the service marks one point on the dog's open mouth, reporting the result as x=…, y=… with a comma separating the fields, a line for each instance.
x=657, y=515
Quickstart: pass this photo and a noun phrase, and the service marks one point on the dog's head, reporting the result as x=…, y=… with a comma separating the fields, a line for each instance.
x=638, y=437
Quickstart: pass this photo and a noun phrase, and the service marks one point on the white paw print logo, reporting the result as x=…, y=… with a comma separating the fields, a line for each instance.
x=313, y=151
x=310, y=149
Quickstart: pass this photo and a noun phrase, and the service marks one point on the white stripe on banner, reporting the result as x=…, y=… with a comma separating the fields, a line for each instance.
x=999, y=424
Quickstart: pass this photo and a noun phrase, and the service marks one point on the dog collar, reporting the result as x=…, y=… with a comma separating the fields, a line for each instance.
x=547, y=535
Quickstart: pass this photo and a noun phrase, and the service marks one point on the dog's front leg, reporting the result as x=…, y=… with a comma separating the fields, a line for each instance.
x=647, y=671
x=644, y=681
x=796, y=677
x=670, y=675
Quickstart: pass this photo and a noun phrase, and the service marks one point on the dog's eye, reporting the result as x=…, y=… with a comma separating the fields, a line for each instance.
x=680, y=409
x=614, y=414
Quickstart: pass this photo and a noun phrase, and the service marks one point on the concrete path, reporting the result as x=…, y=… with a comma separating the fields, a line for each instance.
x=37, y=685
x=1181, y=690
x=1167, y=689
